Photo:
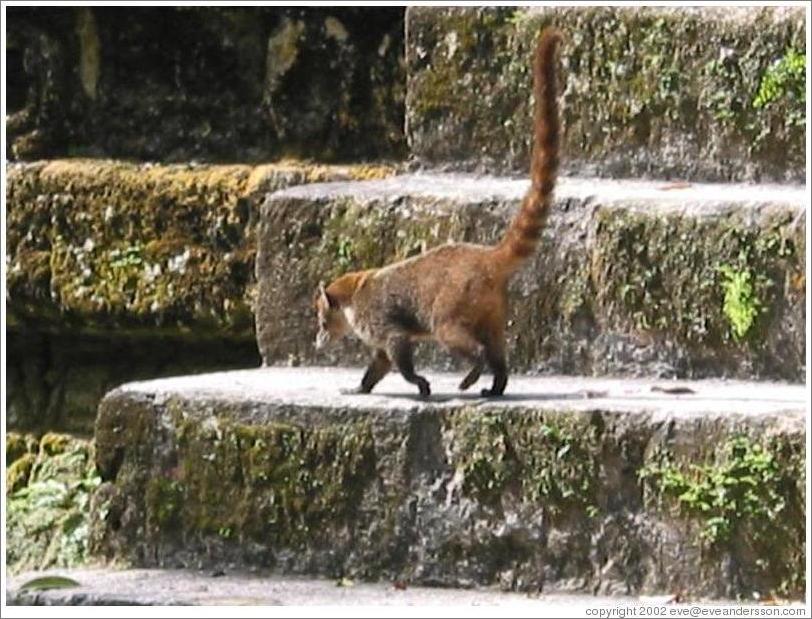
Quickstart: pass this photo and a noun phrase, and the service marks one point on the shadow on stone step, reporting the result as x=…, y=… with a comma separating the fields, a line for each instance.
x=475, y=397
x=440, y=398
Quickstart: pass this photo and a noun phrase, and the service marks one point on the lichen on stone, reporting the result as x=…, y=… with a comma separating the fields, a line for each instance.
x=48, y=498
x=271, y=482
x=106, y=243
x=646, y=92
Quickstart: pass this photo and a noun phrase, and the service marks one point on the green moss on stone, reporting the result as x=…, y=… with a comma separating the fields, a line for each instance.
x=541, y=459
x=48, y=505
x=672, y=283
x=741, y=306
x=274, y=482
x=107, y=243
x=785, y=81
x=645, y=90
x=17, y=445
x=18, y=472
x=164, y=501
x=363, y=235
x=746, y=498
x=53, y=444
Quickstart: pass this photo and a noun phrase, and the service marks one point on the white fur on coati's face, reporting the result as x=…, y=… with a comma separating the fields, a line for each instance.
x=332, y=322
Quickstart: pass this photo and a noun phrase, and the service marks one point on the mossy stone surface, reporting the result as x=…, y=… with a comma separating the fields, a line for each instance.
x=48, y=502
x=17, y=445
x=110, y=244
x=629, y=278
x=548, y=492
x=658, y=92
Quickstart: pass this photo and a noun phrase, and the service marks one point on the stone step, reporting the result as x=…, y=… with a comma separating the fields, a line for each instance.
x=699, y=93
x=157, y=587
x=608, y=486
x=631, y=277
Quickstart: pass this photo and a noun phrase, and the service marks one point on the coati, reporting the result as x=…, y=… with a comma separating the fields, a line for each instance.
x=455, y=294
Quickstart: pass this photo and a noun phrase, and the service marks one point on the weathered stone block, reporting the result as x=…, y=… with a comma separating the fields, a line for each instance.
x=698, y=93
x=597, y=485
x=205, y=83
x=106, y=244
x=630, y=277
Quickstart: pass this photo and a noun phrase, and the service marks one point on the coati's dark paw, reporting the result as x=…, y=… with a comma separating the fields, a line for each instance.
x=354, y=391
x=425, y=389
x=490, y=393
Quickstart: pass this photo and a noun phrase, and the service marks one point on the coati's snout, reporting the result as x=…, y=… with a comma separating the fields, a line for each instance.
x=332, y=323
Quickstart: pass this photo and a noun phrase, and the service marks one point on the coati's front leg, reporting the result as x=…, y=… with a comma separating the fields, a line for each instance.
x=377, y=369
x=400, y=350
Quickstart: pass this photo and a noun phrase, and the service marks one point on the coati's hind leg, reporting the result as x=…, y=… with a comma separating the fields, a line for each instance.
x=460, y=343
x=472, y=376
x=401, y=350
x=377, y=369
x=496, y=359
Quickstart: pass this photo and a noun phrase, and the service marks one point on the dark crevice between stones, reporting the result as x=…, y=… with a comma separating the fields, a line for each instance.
x=55, y=379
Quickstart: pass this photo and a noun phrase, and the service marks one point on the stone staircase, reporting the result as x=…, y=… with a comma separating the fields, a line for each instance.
x=652, y=437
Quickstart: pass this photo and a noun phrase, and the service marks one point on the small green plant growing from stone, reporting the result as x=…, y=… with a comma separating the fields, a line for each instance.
x=345, y=252
x=741, y=305
x=225, y=532
x=785, y=79
x=129, y=256
x=742, y=489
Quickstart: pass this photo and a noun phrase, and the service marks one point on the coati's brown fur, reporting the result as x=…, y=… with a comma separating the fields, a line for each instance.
x=455, y=294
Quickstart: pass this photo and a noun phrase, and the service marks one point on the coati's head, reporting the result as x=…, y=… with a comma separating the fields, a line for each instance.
x=332, y=322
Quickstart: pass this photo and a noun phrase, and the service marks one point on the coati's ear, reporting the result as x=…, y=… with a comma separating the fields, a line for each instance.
x=325, y=296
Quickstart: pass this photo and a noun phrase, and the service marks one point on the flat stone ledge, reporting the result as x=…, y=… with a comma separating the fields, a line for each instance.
x=278, y=389
x=102, y=587
x=107, y=587
x=474, y=189
x=556, y=487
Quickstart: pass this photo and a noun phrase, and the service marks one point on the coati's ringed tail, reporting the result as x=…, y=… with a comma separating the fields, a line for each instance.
x=521, y=238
